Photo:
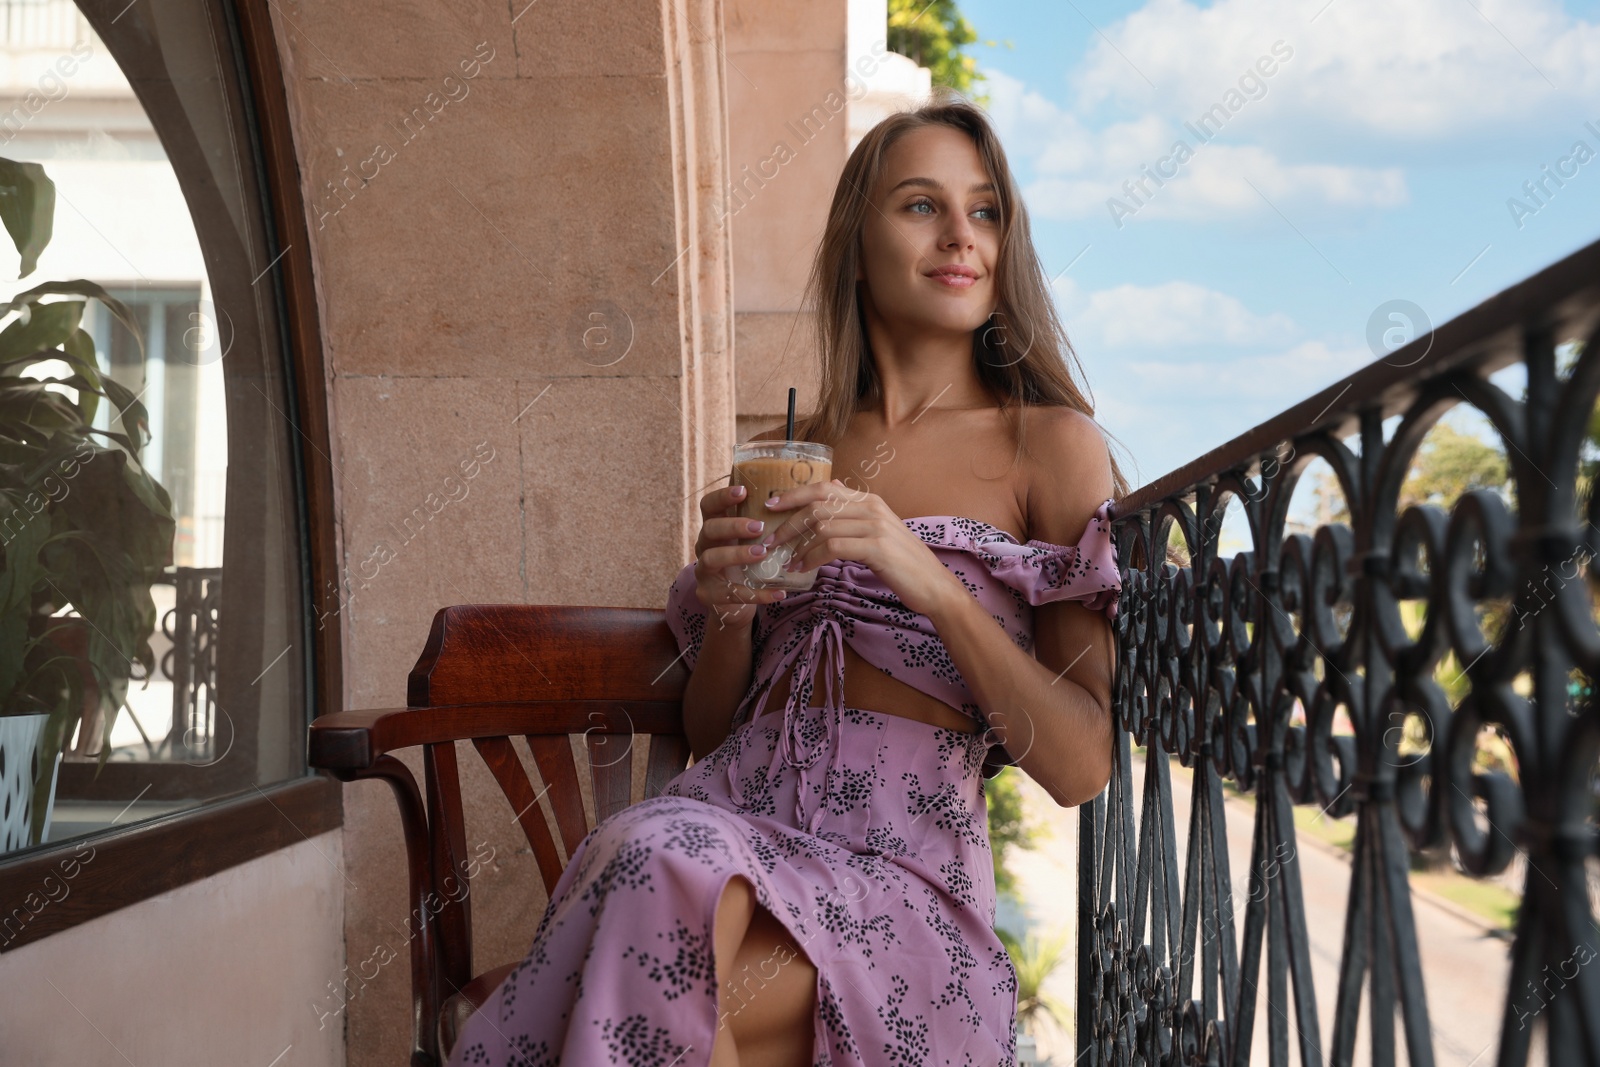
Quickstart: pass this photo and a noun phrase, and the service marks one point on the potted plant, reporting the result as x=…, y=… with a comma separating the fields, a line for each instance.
x=84, y=528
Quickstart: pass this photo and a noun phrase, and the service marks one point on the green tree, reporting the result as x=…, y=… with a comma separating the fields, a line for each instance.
x=1035, y=959
x=1450, y=463
x=1007, y=827
x=932, y=35
x=1588, y=454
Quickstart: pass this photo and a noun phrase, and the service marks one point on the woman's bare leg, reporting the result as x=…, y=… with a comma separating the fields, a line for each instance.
x=768, y=998
x=734, y=912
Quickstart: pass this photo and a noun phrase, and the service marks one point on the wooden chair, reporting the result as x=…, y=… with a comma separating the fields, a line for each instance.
x=486, y=674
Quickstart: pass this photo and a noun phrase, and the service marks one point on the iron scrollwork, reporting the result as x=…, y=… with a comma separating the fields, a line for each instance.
x=1240, y=667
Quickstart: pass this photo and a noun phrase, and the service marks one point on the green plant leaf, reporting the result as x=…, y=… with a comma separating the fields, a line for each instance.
x=32, y=337
x=94, y=547
x=26, y=405
x=1034, y=960
x=80, y=287
x=135, y=418
x=28, y=209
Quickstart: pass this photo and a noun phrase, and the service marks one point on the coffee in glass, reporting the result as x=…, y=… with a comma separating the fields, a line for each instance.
x=768, y=468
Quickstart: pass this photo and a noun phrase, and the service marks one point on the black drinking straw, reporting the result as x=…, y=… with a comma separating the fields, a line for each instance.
x=789, y=430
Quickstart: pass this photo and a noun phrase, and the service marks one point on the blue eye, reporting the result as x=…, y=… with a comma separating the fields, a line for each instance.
x=986, y=214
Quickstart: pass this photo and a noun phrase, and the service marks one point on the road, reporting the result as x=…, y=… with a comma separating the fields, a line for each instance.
x=1464, y=969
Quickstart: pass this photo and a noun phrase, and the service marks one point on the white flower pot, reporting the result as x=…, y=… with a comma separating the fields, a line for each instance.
x=19, y=743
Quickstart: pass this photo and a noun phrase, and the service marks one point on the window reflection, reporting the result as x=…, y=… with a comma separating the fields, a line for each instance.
x=149, y=151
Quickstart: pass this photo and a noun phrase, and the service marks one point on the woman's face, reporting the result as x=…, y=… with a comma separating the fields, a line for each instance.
x=928, y=249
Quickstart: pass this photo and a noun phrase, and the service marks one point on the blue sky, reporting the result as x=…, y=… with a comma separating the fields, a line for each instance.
x=1374, y=163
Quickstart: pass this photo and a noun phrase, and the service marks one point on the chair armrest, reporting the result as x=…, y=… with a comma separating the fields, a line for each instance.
x=342, y=741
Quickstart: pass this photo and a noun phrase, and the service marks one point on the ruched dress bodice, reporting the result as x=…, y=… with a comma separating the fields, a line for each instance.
x=850, y=604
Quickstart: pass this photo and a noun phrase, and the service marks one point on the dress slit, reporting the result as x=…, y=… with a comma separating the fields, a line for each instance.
x=890, y=899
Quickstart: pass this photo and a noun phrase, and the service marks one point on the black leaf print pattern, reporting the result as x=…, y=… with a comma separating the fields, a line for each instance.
x=908, y=1043
x=636, y=1042
x=962, y=959
x=958, y=883
x=765, y=854
x=877, y=853
x=689, y=968
x=626, y=869
x=833, y=1018
x=944, y=806
x=531, y=1054
x=883, y=840
x=624, y=963
x=885, y=875
x=1000, y=964
x=697, y=840
x=852, y=933
x=851, y=790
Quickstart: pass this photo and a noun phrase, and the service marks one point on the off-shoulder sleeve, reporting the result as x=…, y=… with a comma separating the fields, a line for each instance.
x=1086, y=572
x=686, y=615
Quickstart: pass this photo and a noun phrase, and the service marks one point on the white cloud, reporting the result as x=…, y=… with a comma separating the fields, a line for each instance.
x=1178, y=368
x=1164, y=316
x=1274, y=382
x=1078, y=170
x=1166, y=412
x=1424, y=69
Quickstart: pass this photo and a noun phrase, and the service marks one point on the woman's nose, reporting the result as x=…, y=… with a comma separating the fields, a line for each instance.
x=958, y=233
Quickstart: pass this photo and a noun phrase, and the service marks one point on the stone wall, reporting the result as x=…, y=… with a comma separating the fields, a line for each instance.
x=526, y=310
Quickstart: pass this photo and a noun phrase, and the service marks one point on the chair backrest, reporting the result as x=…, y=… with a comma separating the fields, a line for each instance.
x=487, y=674
x=554, y=674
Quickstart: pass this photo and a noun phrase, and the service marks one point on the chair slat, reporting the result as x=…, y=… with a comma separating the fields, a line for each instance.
x=554, y=757
x=508, y=770
x=610, y=771
x=669, y=755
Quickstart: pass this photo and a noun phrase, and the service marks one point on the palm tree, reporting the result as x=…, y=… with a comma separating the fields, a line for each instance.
x=1035, y=959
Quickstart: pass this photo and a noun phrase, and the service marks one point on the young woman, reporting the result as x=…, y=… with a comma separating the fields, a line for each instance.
x=817, y=887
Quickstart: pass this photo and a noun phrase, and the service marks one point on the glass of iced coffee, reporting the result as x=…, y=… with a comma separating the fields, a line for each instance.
x=767, y=468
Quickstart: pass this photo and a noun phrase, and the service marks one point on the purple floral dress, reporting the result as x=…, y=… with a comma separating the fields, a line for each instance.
x=863, y=833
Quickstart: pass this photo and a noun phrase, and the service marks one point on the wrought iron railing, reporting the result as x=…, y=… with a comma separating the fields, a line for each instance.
x=1238, y=669
x=191, y=663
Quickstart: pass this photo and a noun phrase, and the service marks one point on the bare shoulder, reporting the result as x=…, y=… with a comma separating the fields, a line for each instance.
x=1068, y=473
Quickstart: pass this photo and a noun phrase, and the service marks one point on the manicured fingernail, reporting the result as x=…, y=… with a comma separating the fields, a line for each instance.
x=769, y=539
x=756, y=525
x=772, y=501
x=758, y=550
x=738, y=490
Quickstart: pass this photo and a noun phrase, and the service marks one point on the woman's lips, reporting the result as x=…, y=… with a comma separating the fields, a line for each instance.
x=953, y=279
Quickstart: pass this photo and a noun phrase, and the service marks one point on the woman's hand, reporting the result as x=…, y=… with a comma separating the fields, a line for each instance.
x=719, y=558
x=829, y=521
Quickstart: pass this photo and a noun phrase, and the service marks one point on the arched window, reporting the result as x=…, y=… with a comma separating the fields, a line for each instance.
x=163, y=454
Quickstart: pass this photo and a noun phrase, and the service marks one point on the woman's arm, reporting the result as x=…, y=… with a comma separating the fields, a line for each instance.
x=1054, y=720
x=717, y=684
x=1053, y=712
x=725, y=661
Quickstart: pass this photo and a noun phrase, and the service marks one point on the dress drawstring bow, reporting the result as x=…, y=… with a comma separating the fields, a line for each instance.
x=826, y=639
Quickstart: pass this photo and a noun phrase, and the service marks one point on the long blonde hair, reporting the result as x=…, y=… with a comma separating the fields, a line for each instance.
x=1025, y=317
